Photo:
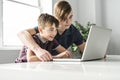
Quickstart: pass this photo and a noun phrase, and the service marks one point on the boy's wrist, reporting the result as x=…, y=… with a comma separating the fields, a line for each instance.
x=36, y=50
x=54, y=57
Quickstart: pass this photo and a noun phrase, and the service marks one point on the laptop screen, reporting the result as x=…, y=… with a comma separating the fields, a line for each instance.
x=97, y=42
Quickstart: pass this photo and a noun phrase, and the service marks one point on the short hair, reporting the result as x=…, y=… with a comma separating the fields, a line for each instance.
x=62, y=9
x=47, y=20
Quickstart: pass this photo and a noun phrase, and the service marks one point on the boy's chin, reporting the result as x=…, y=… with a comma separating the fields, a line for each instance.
x=50, y=39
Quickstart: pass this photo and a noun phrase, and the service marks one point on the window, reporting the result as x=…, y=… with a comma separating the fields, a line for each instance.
x=19, y=15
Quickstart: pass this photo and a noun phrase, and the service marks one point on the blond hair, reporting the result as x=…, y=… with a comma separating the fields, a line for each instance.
x=62, y=9
x=47, y=20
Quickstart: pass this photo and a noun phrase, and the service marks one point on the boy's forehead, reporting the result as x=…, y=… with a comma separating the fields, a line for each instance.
x=51, y=26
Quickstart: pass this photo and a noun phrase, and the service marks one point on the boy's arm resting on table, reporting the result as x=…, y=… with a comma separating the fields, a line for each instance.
x=31, y=57
x=63, y=53
x=26, y=37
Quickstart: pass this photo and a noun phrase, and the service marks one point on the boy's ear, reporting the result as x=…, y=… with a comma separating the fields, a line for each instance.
x=40, y=29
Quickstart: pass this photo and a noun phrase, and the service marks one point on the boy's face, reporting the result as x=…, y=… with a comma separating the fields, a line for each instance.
x=49, y=32
x=65, y=24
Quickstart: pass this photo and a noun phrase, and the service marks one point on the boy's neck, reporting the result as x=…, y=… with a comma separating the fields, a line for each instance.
x=60, y=31
x=42, y=38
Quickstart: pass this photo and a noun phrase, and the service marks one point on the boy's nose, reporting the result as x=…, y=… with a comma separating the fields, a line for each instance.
x=54, y=33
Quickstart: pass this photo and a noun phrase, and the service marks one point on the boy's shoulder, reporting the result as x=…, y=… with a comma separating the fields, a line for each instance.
x=37, y=35
x=36, y=38
x=72, y=30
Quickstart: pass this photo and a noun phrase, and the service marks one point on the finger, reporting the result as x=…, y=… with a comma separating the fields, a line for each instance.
x=68, y=54
x=47, y=57
x=50, y=56
x=43, y=59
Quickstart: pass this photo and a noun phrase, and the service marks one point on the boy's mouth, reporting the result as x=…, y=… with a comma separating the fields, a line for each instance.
x=51, y=37
x=67, y=26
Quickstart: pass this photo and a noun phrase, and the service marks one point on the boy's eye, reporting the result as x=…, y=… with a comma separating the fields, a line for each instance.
x=70, y=16
x=51, y=29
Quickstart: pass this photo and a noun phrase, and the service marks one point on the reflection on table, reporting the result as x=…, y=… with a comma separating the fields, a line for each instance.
x=106, y=69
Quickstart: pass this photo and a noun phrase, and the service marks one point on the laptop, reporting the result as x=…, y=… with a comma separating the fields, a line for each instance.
x=96, y=45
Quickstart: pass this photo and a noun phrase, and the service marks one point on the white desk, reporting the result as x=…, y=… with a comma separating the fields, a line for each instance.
x=108, y=69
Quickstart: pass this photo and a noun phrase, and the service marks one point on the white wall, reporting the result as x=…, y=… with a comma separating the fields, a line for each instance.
x=86, y=11
x=111, y=18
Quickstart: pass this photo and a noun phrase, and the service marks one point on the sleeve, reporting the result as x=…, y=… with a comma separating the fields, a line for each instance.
x=78, y=38
x=55, y=44
x=36, y=39
x=36, y=29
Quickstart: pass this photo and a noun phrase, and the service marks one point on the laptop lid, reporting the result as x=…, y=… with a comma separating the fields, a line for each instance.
x=97, y=43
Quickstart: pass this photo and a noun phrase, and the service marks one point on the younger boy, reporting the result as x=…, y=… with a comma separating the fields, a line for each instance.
x=47, y=26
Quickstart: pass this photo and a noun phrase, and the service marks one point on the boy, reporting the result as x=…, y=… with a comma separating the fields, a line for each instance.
x=47, y=27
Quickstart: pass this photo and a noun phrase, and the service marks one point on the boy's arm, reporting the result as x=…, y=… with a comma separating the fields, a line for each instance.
x=26, y=37
x=31, y=57
x=63, y=53
x=82, y=46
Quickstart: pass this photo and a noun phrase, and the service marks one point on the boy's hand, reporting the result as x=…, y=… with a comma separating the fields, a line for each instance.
x=65, y=54
x=43, y=55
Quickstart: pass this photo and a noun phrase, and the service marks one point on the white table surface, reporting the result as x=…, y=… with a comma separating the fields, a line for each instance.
x=108, y=69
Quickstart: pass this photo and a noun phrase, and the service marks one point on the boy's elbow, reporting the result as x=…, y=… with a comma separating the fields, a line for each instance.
x=27, y=32
x=30, y=60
